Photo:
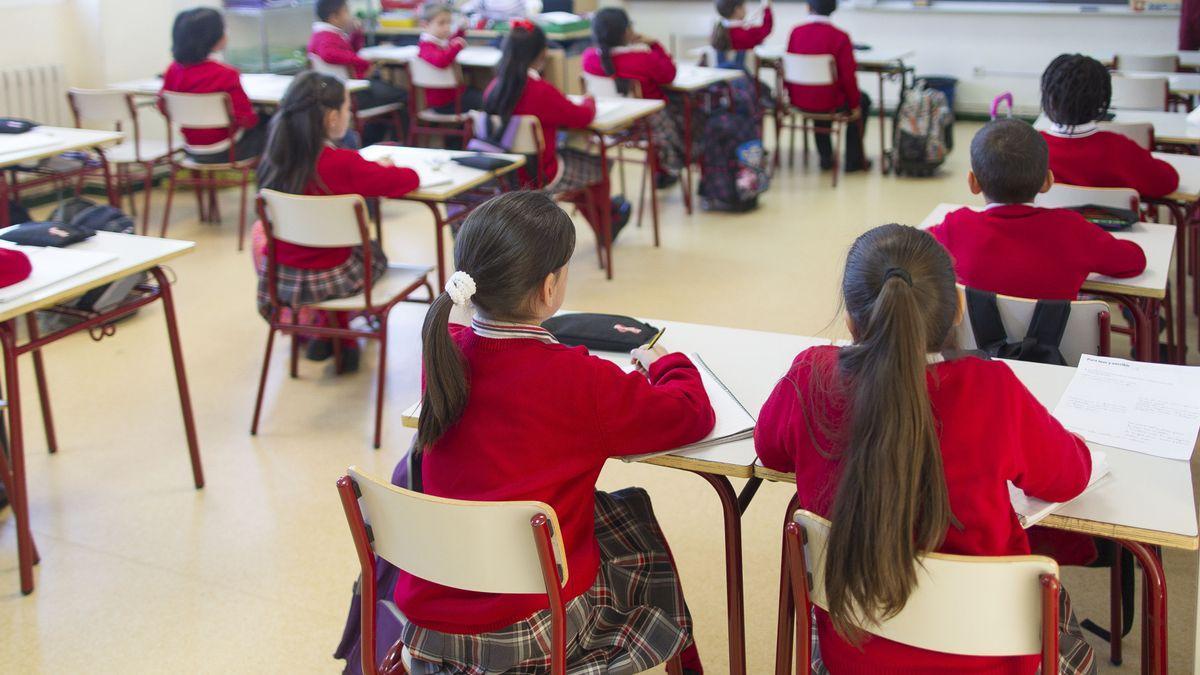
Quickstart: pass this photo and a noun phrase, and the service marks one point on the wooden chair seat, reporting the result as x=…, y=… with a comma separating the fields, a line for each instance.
x=187, y=162
x=431, y=115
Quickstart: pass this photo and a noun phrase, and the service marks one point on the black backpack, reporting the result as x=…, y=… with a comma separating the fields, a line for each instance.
x=1040, y=344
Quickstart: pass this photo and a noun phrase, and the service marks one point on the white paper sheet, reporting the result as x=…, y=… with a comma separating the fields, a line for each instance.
x=1144, y=407
x=1031, y=510
x=50, y=266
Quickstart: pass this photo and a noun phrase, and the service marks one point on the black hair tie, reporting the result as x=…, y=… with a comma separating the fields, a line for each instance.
x=897, y=272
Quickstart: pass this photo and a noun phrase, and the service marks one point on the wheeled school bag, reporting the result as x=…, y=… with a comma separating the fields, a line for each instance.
x=923, y=128
x=734, y=161
x=1042, y=341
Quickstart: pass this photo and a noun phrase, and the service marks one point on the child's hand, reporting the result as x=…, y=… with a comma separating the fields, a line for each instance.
x=459, y=41
x=385, y=161
x=644, y=358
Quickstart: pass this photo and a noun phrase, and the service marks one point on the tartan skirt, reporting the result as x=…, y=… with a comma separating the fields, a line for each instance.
x=579, y=170
x=298, y=287
x=667, y=127
x=631, y=619
x=1075, y=655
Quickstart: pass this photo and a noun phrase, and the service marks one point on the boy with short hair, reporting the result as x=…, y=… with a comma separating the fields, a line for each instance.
x=1015, y=248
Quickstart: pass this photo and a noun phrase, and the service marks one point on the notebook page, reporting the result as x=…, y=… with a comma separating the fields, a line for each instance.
x=1031, y=510
x=50, y=266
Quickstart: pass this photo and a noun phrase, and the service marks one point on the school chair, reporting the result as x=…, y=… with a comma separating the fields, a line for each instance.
x=115, y=108
x=425, y=121
x=969, y=605
x=500, y=547
x=205, y=111
x=1088, y=328
x=388, y=111
x=332, y=222
x=1145, y=63
x=1140, y=93
x=1141, y=133
x=813, y=70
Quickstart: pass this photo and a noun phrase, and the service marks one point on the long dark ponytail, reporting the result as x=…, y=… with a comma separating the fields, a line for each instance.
x=609, y=27
x=891, y=503
x=508, y=245
x=297, y=134
x=522, y=47
x=720, y=40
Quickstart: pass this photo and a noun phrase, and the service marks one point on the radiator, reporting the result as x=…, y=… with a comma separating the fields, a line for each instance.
x=37, y=93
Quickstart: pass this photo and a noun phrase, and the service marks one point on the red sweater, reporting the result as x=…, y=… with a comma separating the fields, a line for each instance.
x=209, y=77
x=1031, y=252
x=743, y=37
x=1093, y=158
x=969, y=396
x=650, y=65
x=345, y=172
x=441, y=54
x=819, y=36
x=540, y=421
x=554, y=110
x=335, y=47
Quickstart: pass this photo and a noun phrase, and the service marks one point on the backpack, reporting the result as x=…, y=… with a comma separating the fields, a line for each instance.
x=1042, y=341
x=733, y=159
x=923, y=131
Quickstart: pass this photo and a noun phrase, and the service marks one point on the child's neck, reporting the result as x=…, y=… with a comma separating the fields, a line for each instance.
x=529, y=321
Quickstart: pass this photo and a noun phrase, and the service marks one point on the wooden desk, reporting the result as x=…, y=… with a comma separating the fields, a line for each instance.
x=133, y=254
x=1188, y=168
x=690, y=82
x=1142, y=294
x=261, y=88
x=751, y=380
x=469, y=57
x=1169, y=127
x=431, y=164
x=43, y=142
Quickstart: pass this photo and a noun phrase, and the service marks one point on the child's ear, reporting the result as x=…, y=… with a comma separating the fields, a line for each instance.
x=962, y=305
x=549, y=284
x=1048, y=183
x=973, y=183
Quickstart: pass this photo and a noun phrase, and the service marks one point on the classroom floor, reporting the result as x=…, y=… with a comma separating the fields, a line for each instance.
x=142, y=573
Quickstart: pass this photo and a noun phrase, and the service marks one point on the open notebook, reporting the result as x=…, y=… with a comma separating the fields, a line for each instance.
x=1031, y=510
x=734, y=422
x=50, y=266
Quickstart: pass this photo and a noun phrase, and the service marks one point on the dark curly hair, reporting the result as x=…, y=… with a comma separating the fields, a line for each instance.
x=1076, y=89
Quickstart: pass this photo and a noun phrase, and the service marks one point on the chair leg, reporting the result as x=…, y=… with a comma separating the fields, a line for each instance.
x=837, y=151
x=242, y=210
x=39, y=370
x=294, y=367
x=198, y=186
x=804, y=132
x=147, y=185
x=621, y=166
x=167, y=207
x=1116, y=615
x=792, y=147
x=642, y=191
x=382, y=379
x=214, y=204
x=262, y=381
x=674, y=666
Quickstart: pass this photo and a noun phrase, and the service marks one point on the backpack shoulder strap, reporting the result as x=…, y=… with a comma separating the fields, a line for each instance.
x=1049, y=322
x=986, y=324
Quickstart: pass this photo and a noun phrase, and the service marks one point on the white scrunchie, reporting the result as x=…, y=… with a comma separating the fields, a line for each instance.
x=460, y=287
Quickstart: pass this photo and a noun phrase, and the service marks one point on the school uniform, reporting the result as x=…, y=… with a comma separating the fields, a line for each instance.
x=818, y=35
x=308, y=275
x=211, y=146
x=337, y=47
x=442, y=54
x=743, y=36
x=1084, y=155
x=991, y=431
x=651, y=67
x=1032, y=252
x=540, y=421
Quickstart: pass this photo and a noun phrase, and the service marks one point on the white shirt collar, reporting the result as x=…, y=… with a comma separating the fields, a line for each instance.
x=533, y=74
x=324, y=27
x=1076, y=131
x=996, y=205
x=631, y=49
x=507, y=330
x=430, y=37
x=819, y=18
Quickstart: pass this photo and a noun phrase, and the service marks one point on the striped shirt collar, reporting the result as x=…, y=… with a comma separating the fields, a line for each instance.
x=1076, y=131
x=638, y=48
x=818, y=18
x=326, y=27
x=996, y=205
x=505, y=330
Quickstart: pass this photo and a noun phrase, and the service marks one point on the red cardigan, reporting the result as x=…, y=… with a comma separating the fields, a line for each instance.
x=337, y=48
x=991, y=430
x=208, y=77
x=541, y=419
x=1094, y=158
x=344, y=172
x=819, y=36
x=742, y=37
x=1031, y=252
x=650, y=65
x=441, y=54
x=554, y=110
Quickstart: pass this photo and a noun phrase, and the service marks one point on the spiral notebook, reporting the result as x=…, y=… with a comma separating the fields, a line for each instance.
x=1031, y=510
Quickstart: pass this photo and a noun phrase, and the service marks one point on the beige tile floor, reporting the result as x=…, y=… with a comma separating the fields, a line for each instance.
x=141, y=573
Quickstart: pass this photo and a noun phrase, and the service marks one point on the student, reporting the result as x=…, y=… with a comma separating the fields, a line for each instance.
x=520, y=90
x=1014, y=247
x=1076, y=93
x=819, y=36
x=336, y=39
x=439, y=46
x=485, y=13
x=621, y=53
x=508, y=413
x=734, y=34
x=908, y=448
x=301, y=159
x=198, y=34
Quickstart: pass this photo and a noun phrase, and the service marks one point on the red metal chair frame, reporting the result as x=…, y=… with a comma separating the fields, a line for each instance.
x=416, y=99
x=377, y=314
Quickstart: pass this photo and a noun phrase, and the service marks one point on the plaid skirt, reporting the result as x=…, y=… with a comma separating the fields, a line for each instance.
x=299, y=287
x=579, y=170
x=1075, y=655
x=667, y=127
x=631, y=619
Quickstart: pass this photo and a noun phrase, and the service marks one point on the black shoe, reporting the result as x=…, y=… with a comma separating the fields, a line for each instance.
x=621, y=210
x=318, y=349
x=349, y=359
x=826, y=164
x=665, y=180
x=864, y=166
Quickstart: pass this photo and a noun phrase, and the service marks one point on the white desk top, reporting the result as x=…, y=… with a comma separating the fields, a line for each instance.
x=614, y=114
x=261, y=88
x=1179, y=83
x=134, y=254
x=43, y=142
x=865, y=58
x=1169, y=127
x=1156, y=240
x=434, y=164
x=469, y=57
x=1188, y=168
x=692, y=78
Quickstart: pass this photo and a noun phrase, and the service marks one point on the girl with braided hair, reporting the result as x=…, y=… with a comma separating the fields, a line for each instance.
x=1076, y=94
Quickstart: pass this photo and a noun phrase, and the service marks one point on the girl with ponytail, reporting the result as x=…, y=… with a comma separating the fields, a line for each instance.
x=734, y=34
x=619, y=52
x=907, y=448
x=508, y=413
x=519, y=89
x=300, y=158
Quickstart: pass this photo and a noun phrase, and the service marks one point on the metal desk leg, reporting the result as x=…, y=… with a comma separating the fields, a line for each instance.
x=733, y=571
x=16, y=439
x=882, y=129
x=39, y=372
x=185, y=399
x=686, y=179
x=1154, y=608
x=787, y=609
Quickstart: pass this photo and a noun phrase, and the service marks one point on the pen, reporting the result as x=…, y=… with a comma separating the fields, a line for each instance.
x=654, y=340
